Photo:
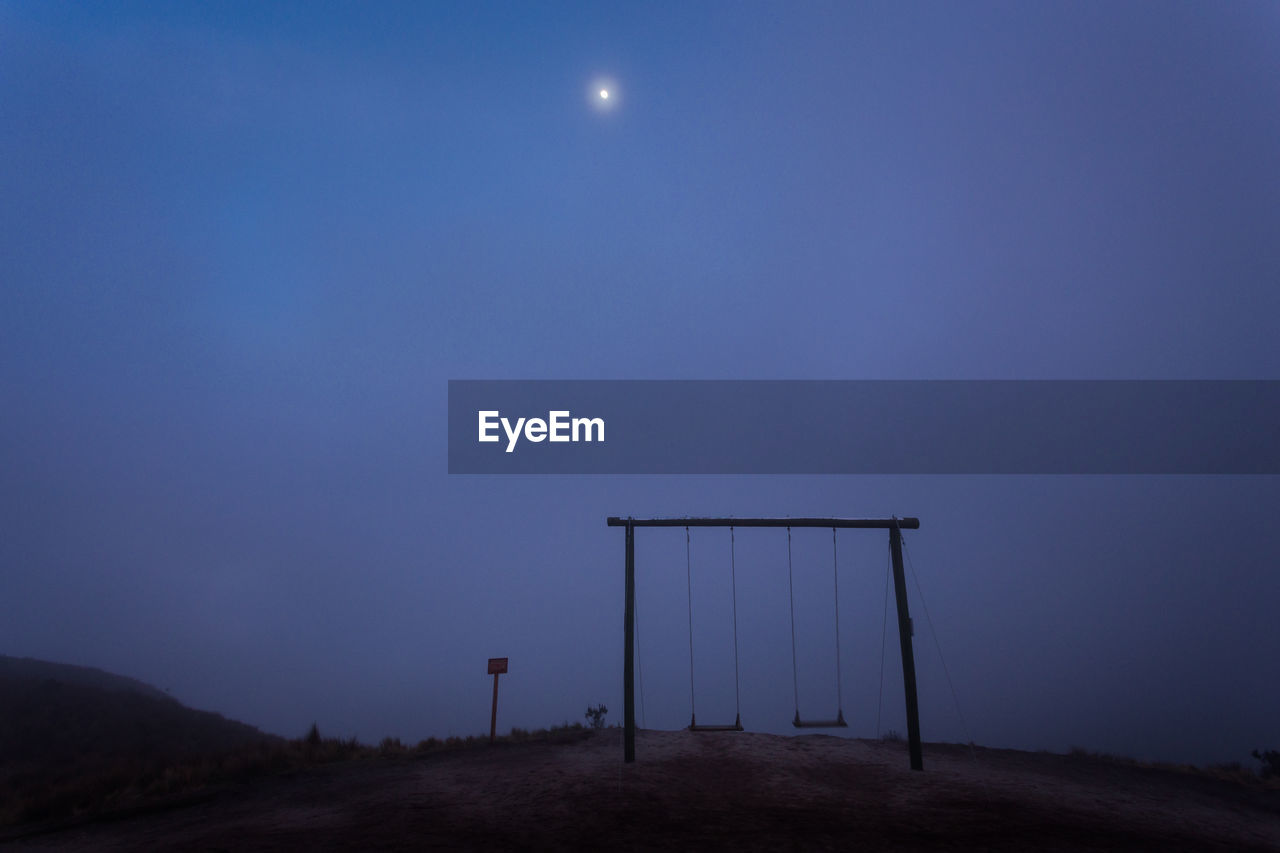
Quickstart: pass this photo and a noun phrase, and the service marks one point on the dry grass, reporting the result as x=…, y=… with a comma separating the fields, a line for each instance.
x=1231, y=771
x=97, y=788
x=735, y=791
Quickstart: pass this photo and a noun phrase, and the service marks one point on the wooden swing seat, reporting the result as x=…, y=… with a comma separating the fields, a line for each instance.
x=735, y=726
x=837, y=723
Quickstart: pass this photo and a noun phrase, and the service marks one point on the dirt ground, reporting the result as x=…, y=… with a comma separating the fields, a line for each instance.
x=705, y=791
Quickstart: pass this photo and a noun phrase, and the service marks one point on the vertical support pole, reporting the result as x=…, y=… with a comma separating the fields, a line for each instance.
x=629, y=662
x=908, y=657
x=493, y=715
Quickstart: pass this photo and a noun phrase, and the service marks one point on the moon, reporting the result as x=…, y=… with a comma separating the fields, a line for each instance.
x=603, y=94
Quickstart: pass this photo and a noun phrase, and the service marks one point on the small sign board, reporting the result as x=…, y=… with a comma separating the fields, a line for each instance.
x=497, y=666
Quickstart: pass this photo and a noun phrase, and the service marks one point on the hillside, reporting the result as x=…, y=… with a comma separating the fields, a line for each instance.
x=31, y=669
x=711, y=792
x=61, y=725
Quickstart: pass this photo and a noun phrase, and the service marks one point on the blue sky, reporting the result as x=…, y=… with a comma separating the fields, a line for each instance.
x=243, y=247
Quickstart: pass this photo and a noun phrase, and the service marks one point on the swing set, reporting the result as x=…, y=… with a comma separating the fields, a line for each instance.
x=893, y=525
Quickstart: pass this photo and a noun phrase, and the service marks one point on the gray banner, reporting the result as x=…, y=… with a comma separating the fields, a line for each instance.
x=863, y=427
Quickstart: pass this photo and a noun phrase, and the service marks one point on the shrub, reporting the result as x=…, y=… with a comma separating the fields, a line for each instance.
x=596, y=715
x=1270, y=763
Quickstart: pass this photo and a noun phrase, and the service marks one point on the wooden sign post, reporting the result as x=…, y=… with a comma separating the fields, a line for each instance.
x=497, y=666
